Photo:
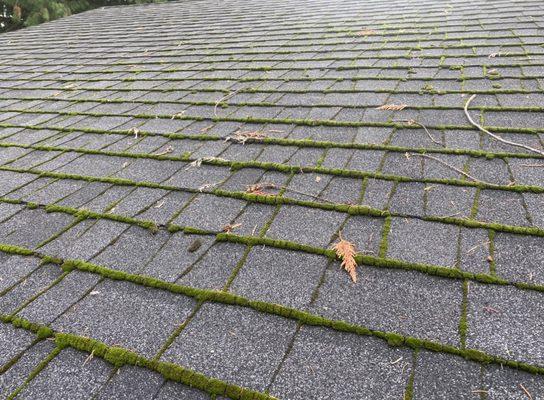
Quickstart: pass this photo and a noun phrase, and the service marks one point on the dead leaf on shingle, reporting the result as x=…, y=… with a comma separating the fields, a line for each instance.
x=366, y=32
x=346, y=252
x=229, y=228
x=242, y=137
x=178, y=115
x=392, y=107
x=198, y=162
x=259, y=188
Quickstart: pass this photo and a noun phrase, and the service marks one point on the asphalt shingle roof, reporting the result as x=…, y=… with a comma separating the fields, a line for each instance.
x=173, y=176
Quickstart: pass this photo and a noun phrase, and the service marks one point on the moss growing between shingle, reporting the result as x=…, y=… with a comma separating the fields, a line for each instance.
x=463, y=320
x=35, y=372
x=119, y=356
x=409, y=391
x=384, y=238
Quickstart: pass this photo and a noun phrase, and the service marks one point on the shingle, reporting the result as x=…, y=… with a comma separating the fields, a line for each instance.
x=506, y=321
x=325, y=364
x=57, y=299
x=305, y=225
x=17, y=374
x=39, y=280
x=406, y=302
x=132, y=250
x=128, y=315
x=85, y=240
x=213, y=270
x=419, y=241
x=29, y=228
x=236, y=344
x=14, y=341
x=441, y=376
x=68, y=376
x=279, y=276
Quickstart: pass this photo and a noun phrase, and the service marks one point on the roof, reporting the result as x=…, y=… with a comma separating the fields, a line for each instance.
x=173, y=178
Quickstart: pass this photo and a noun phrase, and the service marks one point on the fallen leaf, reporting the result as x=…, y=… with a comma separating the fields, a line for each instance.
x=198, y=161
x=346, y=252
x=178, y=115
x=259, y=188
x=243, y=137
x=229, y=228
x=392, y=107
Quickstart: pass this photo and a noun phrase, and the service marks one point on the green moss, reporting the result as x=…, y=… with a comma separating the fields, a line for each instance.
x=119, y=356
x=463, y=321
x=409, y=391
x=385, y=234
x=35, y=372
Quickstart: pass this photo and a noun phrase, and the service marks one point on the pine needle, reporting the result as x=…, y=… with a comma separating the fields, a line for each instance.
x=392, y=107
x=346, y=252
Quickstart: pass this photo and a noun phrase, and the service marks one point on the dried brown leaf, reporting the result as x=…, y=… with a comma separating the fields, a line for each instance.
x=178, y=115
x=392, y=107
x=229, y=228
x=242, y=137
x=259, y=188
x=346, y=252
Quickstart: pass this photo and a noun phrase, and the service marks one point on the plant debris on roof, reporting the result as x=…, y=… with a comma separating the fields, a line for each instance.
x=320, y=200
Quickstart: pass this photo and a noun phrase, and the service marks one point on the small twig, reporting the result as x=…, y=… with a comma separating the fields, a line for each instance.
x=414, y=122
x=168, y=150
x=451, y=215
x=259, y=187
x=308, y=194
x=500, y=139
x=222, y=99
x=526, y=392
x=438, y=160
x=396, y=361
x=532, y=165
x=89, y=358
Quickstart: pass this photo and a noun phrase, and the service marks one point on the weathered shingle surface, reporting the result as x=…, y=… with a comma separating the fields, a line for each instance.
x=173, y=176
